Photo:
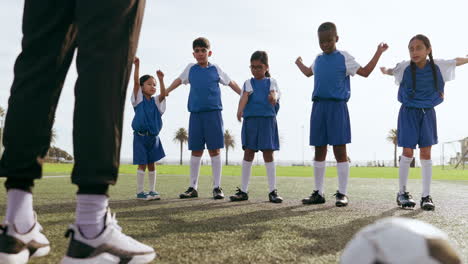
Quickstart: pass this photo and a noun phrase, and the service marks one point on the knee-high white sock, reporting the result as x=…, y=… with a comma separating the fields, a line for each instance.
x=246, y=173
x=152, y=180
x=403, y=172
x=343, y=175
x=20, y=210
x=90, y=212
x=194, y=171
x=271, y=174
x=319, y=175
x=140, y=181
x=216, y=170
x=426, y=171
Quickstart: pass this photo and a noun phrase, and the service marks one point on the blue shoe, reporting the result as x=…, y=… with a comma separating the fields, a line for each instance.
x=142, y=196
x=154, y=196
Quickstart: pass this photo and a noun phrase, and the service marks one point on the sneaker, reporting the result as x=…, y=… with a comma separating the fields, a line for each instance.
x=405, y=200
x=239, y=196
x=314, y=198
x=218, y=193
x=189, y=193
x=427, y=203
x=142, y=196
x=274, y=197
x=110, y=246
x=341, y=199
x=154, y=195
x=18, y=248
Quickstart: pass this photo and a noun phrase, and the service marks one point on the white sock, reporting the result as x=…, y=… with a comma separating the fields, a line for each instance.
x=319, y=175
x=426, y=171
x=343, y=175
x=246, y=173
x=216, y=170
x=403, y=172
x=152, y=180
x=90, y=212
x=140, y=181
x=20, y=210
x=194, y=171
x=271, y=174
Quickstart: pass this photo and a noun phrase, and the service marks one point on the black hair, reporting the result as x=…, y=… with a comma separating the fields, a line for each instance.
x=262, y=56
x=426, y=43
x=201, y=42
x=144, y=78
x=327, y=26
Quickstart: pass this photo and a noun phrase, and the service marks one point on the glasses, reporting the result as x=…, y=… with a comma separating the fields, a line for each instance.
x=256, y=67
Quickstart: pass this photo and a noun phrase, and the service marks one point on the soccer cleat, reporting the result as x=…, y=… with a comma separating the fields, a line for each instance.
x=274, y=197
x=189, y=193
x=405, y=200
x=142, y=196
x=314, y=198
x=427, y=203
x=341, y=199
x=153, y=195
x=218, y=193
x=110, y=246
x=18, y=248
x=239, y=196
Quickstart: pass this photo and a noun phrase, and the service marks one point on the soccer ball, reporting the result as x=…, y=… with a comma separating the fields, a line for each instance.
x=399, y=240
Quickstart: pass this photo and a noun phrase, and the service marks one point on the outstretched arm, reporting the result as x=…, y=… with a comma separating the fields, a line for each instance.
x=461, y=61
x=388, y=71
x=366, y=71
x=162, y=95
x=242, y=102
x=176, y=83
x=136, y=76
x=235, y=87
x=304, y=69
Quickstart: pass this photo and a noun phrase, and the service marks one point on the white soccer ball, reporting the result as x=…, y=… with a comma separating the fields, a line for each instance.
x=399, y=240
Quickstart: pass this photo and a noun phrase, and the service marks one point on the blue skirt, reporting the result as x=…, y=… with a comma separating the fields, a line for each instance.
x=147, y=149
x=260, y=133
x=417, y=126
x=329, y=123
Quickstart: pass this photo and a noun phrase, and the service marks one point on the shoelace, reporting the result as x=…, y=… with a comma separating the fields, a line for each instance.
x=239, y=191
x=339, y=195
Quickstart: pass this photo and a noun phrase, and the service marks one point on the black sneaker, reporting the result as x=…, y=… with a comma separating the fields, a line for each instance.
x=341, y=199
x=218, y=193
x=427, y=203
x=189, y=193
x=274, y=197
x=315, y=198
x=239, y=196
x=405, y=200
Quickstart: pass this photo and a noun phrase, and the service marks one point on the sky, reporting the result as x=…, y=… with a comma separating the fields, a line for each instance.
x=285, y=30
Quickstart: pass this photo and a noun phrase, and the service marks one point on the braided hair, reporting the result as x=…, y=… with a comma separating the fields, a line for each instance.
x=426, y=43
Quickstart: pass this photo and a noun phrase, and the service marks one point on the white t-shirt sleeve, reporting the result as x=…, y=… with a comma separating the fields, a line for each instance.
x=138, y=99
x=274, y=87
x=447, y=69
x=351, y=64
x=247, y=87
x=161, y=105
x=313, y=63
x=223, y=77
x=184, y=76
x=399, y=70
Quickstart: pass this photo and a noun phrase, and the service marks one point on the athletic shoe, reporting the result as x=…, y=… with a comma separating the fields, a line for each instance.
x=18, y=248
x=274, y=197
x=110, y=246
x=142, y=196
x=218, y=193
x=405, y=200
x=189, y=193
x=427, y=203
x=314, y=198
x=341, y=199
x=154, y=196
x=239, y=196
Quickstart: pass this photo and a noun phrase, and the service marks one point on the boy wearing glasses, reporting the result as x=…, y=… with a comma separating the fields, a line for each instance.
x=206, y=121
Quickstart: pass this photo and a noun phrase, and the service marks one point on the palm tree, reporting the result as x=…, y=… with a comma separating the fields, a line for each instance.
x=392, y=137
x=229, y=142
x=181, y=136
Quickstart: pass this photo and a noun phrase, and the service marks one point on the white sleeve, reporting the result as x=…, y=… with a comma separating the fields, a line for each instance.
x=138, y=99
x=184, y=76
x=274, y=87
x=223, y=77
x=161, y=105
x=399, y=70
x=351, y=64
x=447, y=69
x=247, y=87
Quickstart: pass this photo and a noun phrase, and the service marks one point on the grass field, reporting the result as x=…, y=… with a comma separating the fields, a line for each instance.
x=206, y=231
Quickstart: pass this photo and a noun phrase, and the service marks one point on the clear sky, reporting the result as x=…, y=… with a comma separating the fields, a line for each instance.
x=286, y=30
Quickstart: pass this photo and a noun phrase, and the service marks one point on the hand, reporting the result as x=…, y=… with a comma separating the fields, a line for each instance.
x=272, y=98
x=167, y=93
x=382, y=47
x=299, y=60
x=383, y=70
x=136, y=61
x=160, y=74
x=239, y=116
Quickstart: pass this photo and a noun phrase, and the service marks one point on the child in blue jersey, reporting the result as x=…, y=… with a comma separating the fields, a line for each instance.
x=206, y=121
x=259, y=128
x=329, y=120
x=421, y=88
x=147, y=123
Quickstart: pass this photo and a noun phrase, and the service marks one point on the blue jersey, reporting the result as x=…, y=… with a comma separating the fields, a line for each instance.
x=258, y=104
x=331, y=76
x=148, y=114
x=425, y=94
x=205, y=93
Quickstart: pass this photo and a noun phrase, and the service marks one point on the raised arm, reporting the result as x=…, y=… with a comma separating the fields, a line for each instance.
x=307, y=71
x=461, y=61
x=176, y=83
x=235, y=87
x=366, y=71
x=136, y=76
x=162, y=94
x=242, y=102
